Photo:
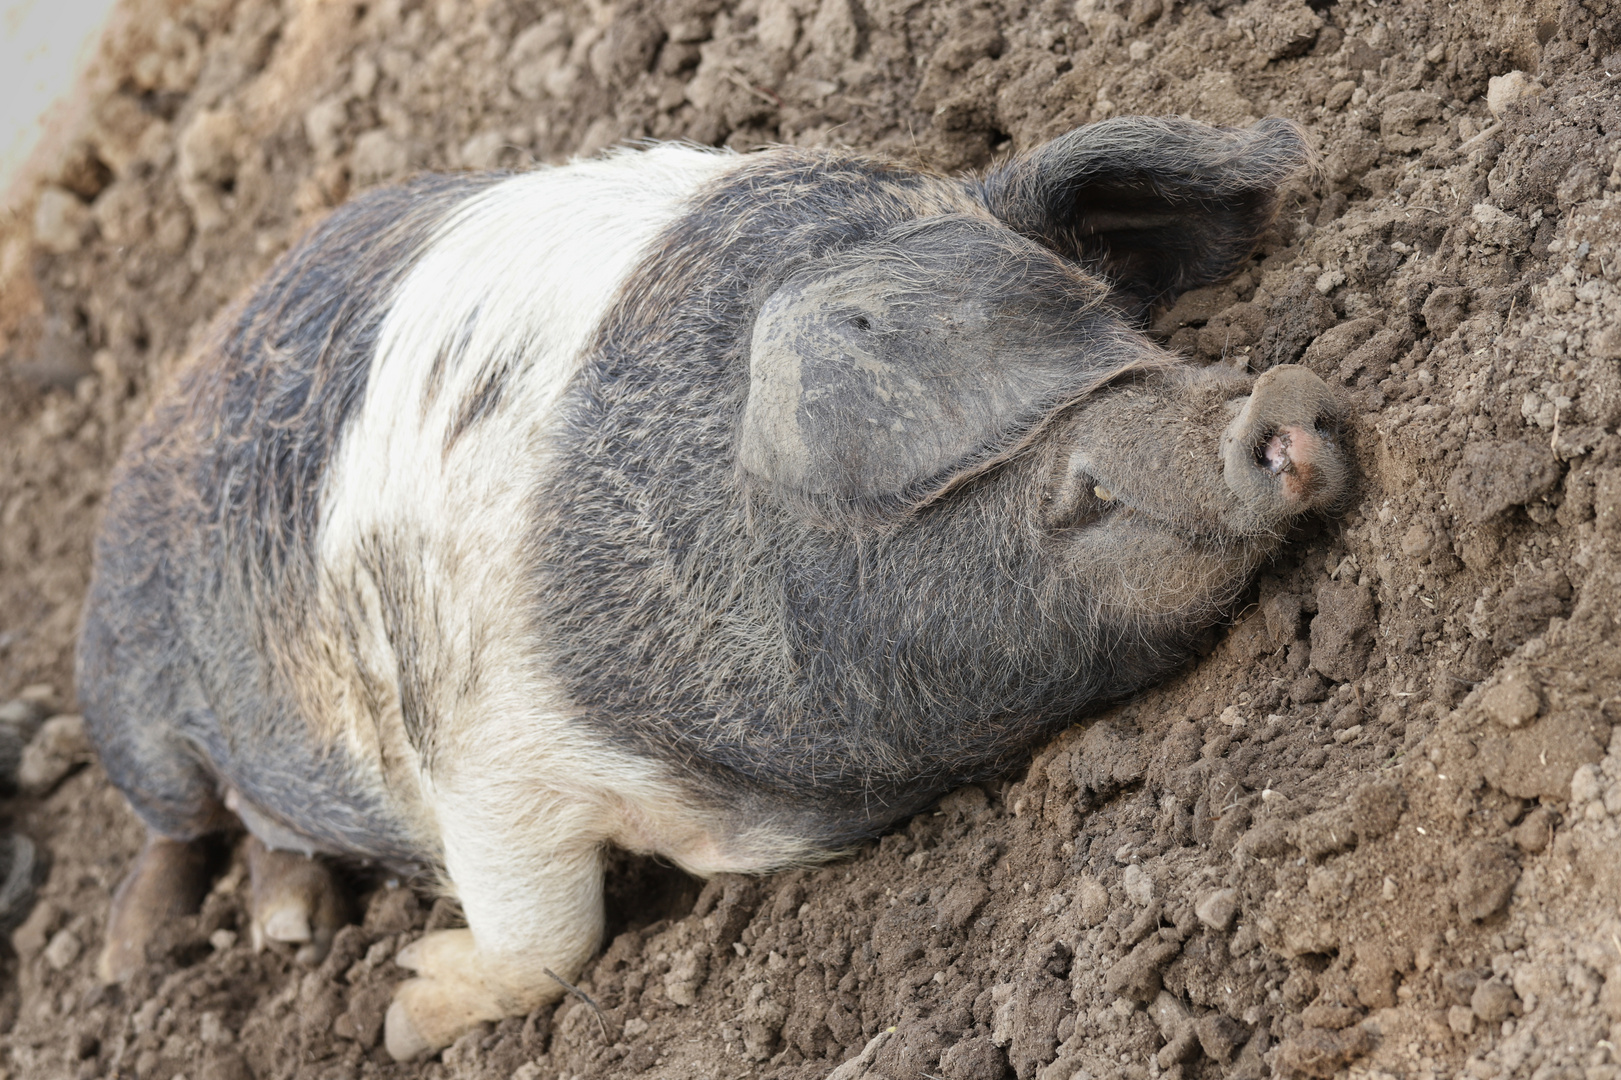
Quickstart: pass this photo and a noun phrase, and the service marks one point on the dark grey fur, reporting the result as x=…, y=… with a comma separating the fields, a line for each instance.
x=206, y=557
x=1157, y=205
x=932, y=348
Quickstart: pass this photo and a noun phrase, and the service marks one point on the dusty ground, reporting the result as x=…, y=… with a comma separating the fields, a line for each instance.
x=1377, y=829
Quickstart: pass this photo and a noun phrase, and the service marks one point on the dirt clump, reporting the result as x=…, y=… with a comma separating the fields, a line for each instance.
x=1375, y=830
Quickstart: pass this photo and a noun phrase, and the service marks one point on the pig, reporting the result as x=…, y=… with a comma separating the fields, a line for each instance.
x=728, y=508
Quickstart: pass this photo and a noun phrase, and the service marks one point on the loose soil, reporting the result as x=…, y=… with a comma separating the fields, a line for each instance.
x=1374, y=830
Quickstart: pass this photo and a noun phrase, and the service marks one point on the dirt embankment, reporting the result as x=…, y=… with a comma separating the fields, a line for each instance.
x=1377, y=829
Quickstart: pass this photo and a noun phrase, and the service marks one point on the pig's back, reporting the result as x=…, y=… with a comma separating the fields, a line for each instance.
x=319, y=543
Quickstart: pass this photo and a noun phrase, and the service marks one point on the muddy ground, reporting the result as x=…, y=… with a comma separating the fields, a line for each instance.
x=1375, y=830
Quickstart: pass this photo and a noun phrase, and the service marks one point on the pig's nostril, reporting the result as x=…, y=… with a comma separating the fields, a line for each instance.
x=1282, y=449
x=1272, y=452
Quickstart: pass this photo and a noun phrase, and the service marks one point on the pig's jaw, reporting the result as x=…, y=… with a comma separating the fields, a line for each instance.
x=1142, y=573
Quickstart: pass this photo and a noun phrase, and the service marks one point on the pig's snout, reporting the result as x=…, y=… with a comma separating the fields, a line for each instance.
x=1282, y=454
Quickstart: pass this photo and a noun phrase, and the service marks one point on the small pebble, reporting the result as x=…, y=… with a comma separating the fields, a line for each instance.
x=63, y=950
x=222, y=939
x=1503, y=91
x=1217, y=908
x=41, y=694
x=1139, y=886
x=29, y=939
x=1585, y=785
x=1461, y=1019
x=211, y=1030
x=21, y=714
x=19, y=719
x=1348, y=734
x=1493, y=1001
x=1514, y=702
x=60, y=221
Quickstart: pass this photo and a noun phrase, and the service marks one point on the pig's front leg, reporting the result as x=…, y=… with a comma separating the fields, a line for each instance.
x=528, y=872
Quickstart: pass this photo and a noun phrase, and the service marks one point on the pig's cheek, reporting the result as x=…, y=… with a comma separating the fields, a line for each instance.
x=1141, y=573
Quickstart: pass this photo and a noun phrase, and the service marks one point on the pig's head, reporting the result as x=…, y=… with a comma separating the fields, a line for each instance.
x=1043, y=494
x=916, y=486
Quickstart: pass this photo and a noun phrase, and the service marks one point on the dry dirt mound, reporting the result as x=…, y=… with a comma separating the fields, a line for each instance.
x=1377, y=828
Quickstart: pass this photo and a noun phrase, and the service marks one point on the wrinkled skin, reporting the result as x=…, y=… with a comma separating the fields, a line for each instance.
x=1179, y=484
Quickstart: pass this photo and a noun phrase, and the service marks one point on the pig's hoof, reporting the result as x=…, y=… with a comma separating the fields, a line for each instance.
x=444, y=1001
x=167, y=882
x=400, y=1034
x=430, y=1014
x=296, y=901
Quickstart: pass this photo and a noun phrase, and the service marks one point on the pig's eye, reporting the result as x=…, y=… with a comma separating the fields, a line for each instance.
x=1093, y=506
x=1080, y=503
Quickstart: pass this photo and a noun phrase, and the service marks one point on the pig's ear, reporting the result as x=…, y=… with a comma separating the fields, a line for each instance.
x=1158, y=205
x=897, y=371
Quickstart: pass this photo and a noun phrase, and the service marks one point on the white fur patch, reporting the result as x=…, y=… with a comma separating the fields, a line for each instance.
x=522, y=274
